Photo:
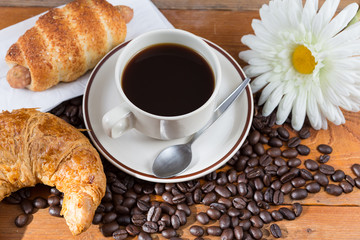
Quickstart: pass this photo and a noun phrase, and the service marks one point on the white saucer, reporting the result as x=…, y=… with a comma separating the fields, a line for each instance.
x=134, y=153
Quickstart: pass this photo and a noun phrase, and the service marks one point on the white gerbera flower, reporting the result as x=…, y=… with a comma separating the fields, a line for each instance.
x=305, y=61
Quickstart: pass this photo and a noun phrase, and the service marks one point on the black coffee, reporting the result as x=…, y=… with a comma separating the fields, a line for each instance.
x=168, y=80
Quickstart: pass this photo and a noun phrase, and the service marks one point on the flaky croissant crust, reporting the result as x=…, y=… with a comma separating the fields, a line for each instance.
x=38, y=147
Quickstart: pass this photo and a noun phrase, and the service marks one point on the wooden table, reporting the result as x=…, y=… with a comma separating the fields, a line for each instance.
x=223, y=22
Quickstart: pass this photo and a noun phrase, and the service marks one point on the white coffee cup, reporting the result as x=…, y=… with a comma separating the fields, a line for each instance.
x=128, y=116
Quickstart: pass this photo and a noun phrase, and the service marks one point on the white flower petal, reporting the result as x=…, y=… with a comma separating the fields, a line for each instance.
x=261, y=31
x=313, y=112
x=309, y=12
x=260, y=82
x=299, y=109
x=255, y=70
x=324, y=15
x=285, y=107
x=349, y=34
x=273, y=100
x=254, y=43
x=339, y=22
x=268, y=90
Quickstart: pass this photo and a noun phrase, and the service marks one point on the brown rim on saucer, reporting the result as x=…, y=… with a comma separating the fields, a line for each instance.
x=218, y=163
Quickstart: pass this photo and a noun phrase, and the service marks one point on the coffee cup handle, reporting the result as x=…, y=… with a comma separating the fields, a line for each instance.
x=117, y=121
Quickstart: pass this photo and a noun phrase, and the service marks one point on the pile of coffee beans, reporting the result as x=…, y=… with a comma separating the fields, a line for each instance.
x=238, y=197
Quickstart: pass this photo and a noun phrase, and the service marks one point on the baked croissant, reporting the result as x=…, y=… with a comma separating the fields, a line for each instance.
x=38, y=147
x=65, y=43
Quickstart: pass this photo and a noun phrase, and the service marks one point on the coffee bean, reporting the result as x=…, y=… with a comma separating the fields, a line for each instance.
x=144, y=236
x=238, y=232
x=209, y=198
x=288, y=176
x=254, y=137
x=265, y=217
x=293, y=142
x=166, y=219
x=53, y=200
x=326, y=169
x=334, y=189
x=286, y=188
x=195, y=197
x=311, y=165
x=138, y=219
x=276, y=215
x=167, y=208
x=26, y=206
x=278, y=161
x=272, y=169
x=120, y=209
x=97, y=218
x=239, y=203
x=21, y=220
x=213, y=213
x=297, y=208
x=55, y=211
x=185, y=208
x=265, y=160
x=214, y=231
x=169, y=233
x=306, y=175
x=325, y=149
x=338, y=176
x=109, y=228
x=313, y=187
x=275, y=230
x=256, y=221
x=150, y=227
x=124, y=220
x=298, y=182
x=289, y=153
x=109, y=217
x=324, y=158
x=218, y=206
x=182, y=216
x=245, y=224
x=287, y=213
x=159, y=188
x=356, y=169
x=304, y=133
x=246, y=150
x=357, y=182
x=350, y=180
x=118, y=187
x=346, y=186
x=167, y=197
x=223, y=191
x=227, y=234
x=303, y=150
x=225, y=201
x=120, y=234
x=259, y=149
x=253, y=208
x=282, y=170
x=283, y=132
x=255, y=232
x=321, y=178
x=203, y=218
x=274, y=152
x=232, y=175
x=275, y=142
x=224, y=221
x=179, y=198
x=299, y=194
x=257, y=172
x=278, y=197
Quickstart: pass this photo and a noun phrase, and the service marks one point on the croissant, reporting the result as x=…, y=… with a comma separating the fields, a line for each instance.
x=38, y=147
x=65, y=43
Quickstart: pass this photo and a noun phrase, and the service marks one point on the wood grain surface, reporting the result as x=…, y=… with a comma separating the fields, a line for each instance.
x=324, y=216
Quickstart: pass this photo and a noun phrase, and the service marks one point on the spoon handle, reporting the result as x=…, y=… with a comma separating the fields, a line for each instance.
x=222, y=108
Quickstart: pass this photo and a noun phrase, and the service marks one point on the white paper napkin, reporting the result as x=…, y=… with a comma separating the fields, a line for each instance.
x=146, y=18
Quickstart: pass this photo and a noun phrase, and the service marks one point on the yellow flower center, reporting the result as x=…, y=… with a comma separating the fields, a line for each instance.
x=302, y=60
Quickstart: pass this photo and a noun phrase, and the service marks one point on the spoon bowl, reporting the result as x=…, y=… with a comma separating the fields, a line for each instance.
x=175, y=159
